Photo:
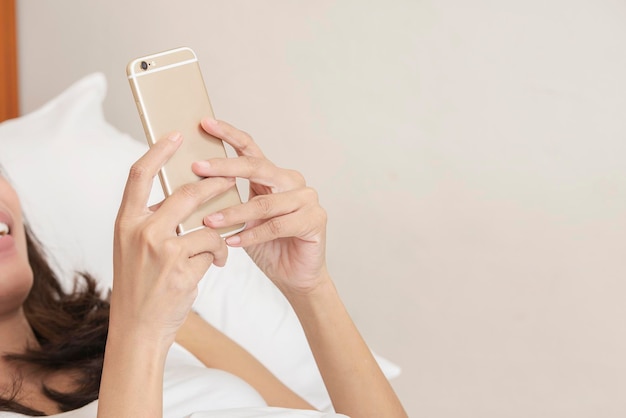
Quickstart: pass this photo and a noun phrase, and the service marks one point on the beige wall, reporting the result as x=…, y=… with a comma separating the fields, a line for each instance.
x=470, y=155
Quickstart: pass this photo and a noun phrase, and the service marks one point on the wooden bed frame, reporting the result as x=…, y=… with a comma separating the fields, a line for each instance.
x=9, y=102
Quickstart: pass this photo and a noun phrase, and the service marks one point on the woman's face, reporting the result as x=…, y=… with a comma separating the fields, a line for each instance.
x=16, y=276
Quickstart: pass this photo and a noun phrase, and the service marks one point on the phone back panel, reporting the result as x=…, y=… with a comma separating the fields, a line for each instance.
x=171, y=96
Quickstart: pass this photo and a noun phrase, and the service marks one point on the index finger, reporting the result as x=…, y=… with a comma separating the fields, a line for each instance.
x=143, y=171
x=239, y=140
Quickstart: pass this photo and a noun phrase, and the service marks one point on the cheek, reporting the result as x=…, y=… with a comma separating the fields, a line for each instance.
x=16, y=280
x=16, y=276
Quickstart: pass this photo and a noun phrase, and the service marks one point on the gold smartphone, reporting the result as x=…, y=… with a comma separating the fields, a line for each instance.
x=171, y=96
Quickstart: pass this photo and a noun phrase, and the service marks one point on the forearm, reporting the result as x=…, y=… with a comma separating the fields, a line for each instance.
x=132, y=377
x=355, y=382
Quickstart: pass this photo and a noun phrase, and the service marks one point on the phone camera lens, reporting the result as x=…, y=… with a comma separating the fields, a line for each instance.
x=144, y=65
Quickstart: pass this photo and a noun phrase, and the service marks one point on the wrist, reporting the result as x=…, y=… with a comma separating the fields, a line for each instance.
x=317, y=301
x=317, y=287
x=126, y=332
x=138, y=344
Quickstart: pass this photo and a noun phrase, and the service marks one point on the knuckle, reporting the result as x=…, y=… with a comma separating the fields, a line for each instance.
x=322, y=215
x=190, y=190
x=297, y=177
x=275, y=227
x=253, y=163
x=120, y=222
x=263, y=204
x=149, y=233
x=246, y=140
x=137, y=171
x=170, y=247
x=310, y=194
x=252, y=235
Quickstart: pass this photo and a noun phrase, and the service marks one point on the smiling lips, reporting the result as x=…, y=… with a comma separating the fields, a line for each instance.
x=7, y=243
x=4, y=229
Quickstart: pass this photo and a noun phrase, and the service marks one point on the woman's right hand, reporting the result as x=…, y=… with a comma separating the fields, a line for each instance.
x=155, y=277
x=156, y=272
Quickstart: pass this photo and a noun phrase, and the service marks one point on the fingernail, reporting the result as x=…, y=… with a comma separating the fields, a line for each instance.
x=174, y=136
x=234, y=240
x=210, y=121
x=203, y=164
x=215, y=217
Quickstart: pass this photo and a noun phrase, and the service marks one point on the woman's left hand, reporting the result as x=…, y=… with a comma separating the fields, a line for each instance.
x=285, y=231
x=286, y=235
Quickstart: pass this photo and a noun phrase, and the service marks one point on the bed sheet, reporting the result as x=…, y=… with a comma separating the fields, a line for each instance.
x=266, y=412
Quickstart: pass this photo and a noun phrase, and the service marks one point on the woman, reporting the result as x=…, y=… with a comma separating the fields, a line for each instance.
x=156, y=274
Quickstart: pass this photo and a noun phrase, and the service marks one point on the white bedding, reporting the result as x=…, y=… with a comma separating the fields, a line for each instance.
x=90, y=411
x=262, y=413
x=193, y=391
x=190, y=390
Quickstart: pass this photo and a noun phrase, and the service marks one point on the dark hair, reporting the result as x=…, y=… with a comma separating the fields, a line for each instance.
x=71, y=328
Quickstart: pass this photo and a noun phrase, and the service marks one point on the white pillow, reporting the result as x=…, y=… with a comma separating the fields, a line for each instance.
x=69, y=167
